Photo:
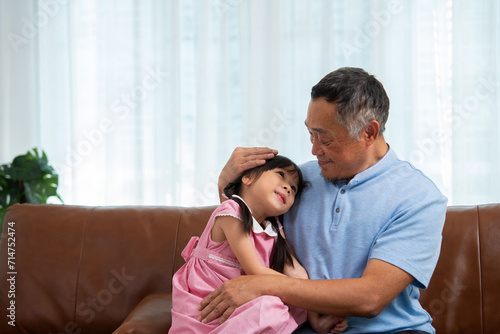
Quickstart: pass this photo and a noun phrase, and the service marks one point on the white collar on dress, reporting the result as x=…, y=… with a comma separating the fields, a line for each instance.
x=256, y=227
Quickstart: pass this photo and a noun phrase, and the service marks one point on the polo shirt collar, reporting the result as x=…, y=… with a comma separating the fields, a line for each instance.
x=377, y=168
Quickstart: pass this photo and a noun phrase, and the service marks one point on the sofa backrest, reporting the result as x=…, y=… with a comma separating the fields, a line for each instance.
x=83, y=269
x=464, y=293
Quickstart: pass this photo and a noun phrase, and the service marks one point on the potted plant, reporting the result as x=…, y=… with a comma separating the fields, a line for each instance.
x=28, y=179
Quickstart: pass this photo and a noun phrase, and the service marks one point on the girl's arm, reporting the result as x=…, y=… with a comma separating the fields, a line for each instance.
x=241, y=245
x=295, y=271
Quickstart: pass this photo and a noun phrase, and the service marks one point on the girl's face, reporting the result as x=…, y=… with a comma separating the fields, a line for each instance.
x=271, y=194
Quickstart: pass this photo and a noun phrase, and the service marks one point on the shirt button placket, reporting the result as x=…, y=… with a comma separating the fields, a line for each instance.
x=336, y=209
x=342, y=191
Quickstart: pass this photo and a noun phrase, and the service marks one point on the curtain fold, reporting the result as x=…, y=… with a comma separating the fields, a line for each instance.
x=142, y=102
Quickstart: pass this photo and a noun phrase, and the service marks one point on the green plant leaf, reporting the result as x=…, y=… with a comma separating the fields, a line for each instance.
x=29, y=178
x=6, y=172
x=2, y=214
x=31, y=193
x=38, y=191
x=25, y=167
x=10, y=192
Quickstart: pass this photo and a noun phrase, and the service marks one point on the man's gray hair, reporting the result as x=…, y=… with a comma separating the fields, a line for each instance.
x=359, y=96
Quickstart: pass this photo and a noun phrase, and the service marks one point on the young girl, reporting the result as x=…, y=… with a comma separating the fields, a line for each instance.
x=243, y=236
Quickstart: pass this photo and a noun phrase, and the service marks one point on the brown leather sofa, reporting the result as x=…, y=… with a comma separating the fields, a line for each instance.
x=72, y=269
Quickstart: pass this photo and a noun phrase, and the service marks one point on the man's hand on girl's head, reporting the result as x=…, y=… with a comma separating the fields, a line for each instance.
x=242, y=159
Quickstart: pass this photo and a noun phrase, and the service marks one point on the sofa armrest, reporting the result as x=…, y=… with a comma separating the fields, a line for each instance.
x=151, y=315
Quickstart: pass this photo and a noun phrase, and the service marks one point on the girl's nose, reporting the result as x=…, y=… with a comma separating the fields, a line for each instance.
x=286, y=188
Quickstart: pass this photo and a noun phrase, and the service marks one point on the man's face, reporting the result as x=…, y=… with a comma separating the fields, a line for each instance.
x=339, y=156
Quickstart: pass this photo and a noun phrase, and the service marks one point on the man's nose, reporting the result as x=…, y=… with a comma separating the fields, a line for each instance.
x=316, y=148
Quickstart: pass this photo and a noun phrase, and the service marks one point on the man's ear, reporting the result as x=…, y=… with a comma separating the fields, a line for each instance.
x=247, y=179
x=370, y=132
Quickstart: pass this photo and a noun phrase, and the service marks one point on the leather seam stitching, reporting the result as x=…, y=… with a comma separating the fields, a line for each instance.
x=480, y=269
x=80, y=262
x=176, y=242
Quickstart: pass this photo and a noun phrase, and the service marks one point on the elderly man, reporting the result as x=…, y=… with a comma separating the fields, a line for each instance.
x=368, y=227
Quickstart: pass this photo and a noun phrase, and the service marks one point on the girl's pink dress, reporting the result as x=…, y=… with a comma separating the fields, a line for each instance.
x=208, y=265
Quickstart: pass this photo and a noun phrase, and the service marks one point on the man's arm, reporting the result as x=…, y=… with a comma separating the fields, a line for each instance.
x=367, y=296
x=242, y=159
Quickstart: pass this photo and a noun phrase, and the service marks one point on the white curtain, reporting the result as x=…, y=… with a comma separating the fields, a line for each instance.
x=142, y=102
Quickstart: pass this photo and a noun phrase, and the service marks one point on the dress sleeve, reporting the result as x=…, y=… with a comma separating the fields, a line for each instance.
x=228, y=208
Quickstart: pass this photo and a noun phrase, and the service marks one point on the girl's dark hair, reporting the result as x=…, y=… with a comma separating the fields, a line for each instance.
x=282, y=253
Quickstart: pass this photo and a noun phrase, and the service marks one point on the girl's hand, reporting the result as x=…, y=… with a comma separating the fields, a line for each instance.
x=326, y=323
x=340, y=326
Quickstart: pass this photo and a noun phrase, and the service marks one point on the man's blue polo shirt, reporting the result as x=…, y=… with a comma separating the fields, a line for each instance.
x=390, y=211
